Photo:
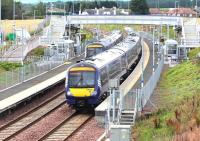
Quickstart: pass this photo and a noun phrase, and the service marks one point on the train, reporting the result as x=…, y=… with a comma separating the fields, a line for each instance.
x=103, y=44
x=87, y=81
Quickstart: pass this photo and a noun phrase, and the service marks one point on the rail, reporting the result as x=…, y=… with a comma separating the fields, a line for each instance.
x=29, y=118
x=133, y=19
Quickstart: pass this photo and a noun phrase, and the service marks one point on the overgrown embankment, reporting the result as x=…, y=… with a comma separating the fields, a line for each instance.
x=179, y=104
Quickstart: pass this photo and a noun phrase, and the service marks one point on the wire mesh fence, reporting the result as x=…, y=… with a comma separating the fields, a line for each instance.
x=38, y=66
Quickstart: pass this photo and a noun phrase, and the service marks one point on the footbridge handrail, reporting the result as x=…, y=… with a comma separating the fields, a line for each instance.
x=122, y=19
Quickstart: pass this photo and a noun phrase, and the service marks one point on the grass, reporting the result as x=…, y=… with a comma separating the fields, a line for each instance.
x=193, y=53
x=30, y=25
x=179, y=108
x=37, y=52
x=110, y=27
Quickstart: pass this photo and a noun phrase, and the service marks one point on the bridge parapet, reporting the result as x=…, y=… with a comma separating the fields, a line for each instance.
x=136, y=19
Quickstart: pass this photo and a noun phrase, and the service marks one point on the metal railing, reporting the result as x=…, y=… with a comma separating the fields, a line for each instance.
x=149, y=87
x=38, y=66
x=134, y=100
x=136, y=19
x=195, y=42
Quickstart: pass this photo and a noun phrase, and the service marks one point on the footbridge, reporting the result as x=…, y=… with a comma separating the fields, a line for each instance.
x=133, y=19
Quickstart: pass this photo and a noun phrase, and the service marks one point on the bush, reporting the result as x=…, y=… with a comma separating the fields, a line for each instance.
x=9, y=66
x=38, y=52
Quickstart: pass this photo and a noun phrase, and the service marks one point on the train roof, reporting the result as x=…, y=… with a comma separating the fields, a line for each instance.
x=107, y=56
x=106, y=41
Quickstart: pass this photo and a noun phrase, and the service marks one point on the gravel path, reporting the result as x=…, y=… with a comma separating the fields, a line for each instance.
x=89, y=132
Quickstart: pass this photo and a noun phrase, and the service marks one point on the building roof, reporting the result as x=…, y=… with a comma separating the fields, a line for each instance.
x=181, y=11
x=155, y=11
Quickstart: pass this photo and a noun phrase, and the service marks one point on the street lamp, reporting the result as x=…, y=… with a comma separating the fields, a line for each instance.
x=196, y=8
x=13, y=21
x=23, y=16
x=34, y=13
x=175, y=7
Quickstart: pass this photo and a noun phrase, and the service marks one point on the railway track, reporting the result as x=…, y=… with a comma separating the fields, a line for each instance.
x=67, y=128
x=24, y=121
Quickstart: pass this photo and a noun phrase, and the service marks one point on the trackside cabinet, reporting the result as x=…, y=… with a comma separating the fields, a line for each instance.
x=120, y=133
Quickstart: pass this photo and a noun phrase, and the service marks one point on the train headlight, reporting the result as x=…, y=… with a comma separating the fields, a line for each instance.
x=94, y=93
x=69, y=93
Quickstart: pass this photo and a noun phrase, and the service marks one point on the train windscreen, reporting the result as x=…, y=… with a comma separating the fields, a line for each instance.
x=93, y=51
x=81, y=79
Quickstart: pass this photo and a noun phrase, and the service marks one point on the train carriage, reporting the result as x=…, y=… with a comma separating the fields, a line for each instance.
x=87, y=81
x=103, y=44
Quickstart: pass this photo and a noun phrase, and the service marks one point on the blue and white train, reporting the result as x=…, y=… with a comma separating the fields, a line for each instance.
x=87, y=81
x=103, y=44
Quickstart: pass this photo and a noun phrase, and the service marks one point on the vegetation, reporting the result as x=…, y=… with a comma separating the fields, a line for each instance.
x=139, y=7
x=37, y=52
x=6, y=66
x=30, y=25
x=172, y=34
x=192, y=54
x=111, y=27
x=178, y=106
x=88, y=34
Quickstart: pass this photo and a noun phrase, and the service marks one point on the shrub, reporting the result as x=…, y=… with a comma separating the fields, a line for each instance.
x=9, y=66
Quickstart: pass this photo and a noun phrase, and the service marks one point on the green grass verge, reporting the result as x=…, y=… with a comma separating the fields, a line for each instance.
x=179, y=93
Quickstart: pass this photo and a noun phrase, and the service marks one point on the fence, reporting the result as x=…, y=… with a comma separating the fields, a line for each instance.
x=34, y=66
x=38, y=66
x=149, y=87
x=134, y=100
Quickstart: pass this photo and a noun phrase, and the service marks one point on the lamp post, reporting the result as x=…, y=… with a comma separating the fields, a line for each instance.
x=153, y=49
x=177, y=7
x=13, y=21
x=73, y=8
x=142, y=64
x=34, y=13
x=196, y=9
x=23, y=16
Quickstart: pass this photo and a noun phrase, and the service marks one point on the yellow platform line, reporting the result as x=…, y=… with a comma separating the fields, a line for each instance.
x=67, y=63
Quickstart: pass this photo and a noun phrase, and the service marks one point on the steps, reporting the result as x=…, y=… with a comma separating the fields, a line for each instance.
x=127, y=117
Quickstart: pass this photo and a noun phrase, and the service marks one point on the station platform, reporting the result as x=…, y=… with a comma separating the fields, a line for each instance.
x=132, y=82
x=21, y=92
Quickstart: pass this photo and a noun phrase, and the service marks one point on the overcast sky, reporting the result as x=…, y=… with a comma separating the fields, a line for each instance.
x=35, y=1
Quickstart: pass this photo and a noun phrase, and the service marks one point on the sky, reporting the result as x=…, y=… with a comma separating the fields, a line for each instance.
x=35, y=1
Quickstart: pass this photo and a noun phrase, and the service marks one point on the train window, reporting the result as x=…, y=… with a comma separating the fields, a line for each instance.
x=81, y=79
x=104, y=75
x=123, y=61
x=114, y=68
x=93, y=51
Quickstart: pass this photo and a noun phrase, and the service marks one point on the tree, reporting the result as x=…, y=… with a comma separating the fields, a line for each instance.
x=7, y=9
x=41, y=9
x=7, y=12
x=139, y=7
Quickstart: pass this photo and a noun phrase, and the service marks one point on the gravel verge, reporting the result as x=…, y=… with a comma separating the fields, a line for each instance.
x=91, y=131
x=44, y=125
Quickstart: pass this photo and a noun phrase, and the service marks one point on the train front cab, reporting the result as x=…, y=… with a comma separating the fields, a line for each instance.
x=82, y=87
x=93, y=49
